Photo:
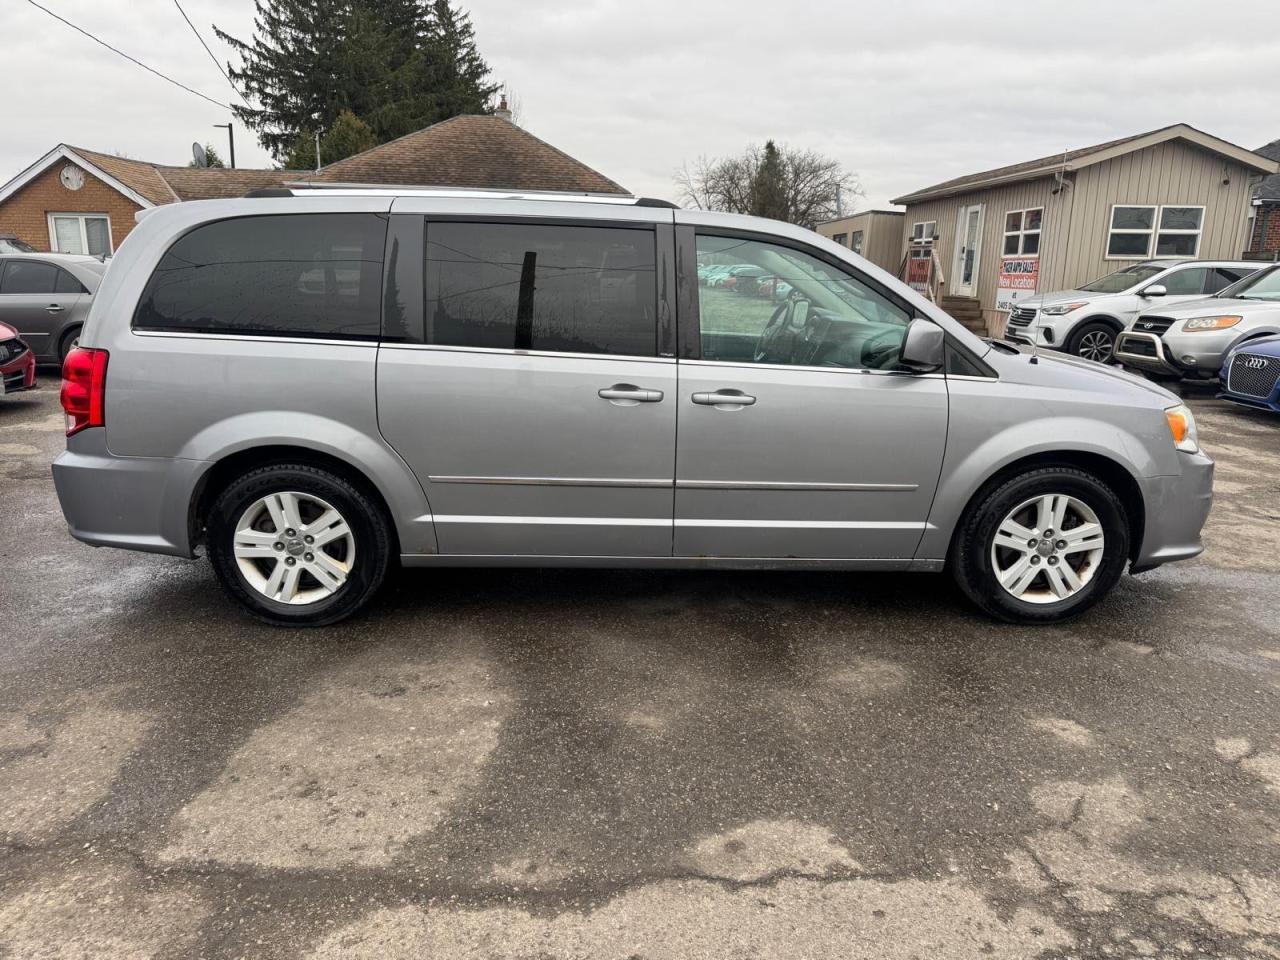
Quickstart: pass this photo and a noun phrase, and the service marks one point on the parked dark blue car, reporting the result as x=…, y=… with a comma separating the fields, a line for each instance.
x=1251, y=374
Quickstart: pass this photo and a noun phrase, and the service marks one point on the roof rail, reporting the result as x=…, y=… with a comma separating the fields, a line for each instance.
x=303, y=189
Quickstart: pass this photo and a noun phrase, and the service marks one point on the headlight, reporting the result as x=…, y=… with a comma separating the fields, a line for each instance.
x=1183, y=427
x=1210, y=323
x=1058, y=309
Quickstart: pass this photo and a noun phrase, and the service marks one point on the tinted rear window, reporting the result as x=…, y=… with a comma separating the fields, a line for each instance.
x=541, y=287
x=28, y=276
x=305, y=275
x=66, y=283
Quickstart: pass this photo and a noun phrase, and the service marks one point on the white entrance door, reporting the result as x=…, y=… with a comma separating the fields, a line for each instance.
x=968, y=251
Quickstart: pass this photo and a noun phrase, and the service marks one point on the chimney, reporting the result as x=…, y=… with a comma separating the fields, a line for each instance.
x=503, y=110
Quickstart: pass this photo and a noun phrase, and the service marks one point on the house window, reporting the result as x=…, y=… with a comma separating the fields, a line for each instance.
x=1022, y=232
x=857, y=241
x=80, y=233
x=1174, y=229
x=923, y=233
x=842, y=239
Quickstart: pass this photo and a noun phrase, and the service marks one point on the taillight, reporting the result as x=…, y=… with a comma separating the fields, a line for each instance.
x=84, y=381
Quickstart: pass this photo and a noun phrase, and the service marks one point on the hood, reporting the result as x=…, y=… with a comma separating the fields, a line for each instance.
x=1266, y=346
x=1209, y=305
x=1058, y=296
x=1054, y=369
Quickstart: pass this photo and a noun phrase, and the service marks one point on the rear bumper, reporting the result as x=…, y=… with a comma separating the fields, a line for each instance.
x=136, y=503
x=1177, y=508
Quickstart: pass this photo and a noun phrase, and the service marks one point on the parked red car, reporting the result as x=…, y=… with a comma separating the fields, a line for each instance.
x=17, y=362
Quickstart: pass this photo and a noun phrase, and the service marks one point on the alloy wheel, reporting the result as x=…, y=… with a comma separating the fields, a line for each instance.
x=1096, y=345
x=1047, y=548
x=293, y=547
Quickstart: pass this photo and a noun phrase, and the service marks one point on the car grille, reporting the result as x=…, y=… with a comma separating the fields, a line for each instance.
x=1138, y=346
x=1022, y=316
x=11, y=349
x=1253, y=375
x=1156, y=325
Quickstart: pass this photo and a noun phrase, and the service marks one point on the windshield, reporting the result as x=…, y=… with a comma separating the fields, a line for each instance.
x=1264, y=285
x=1122, y=280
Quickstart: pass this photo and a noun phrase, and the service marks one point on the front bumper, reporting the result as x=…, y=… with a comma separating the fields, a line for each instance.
x=1177, y=353
x=136, y=503
x=1176, y=509
x=18, y=374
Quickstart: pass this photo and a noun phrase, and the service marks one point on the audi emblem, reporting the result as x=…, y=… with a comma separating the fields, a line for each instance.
x=1252, y=362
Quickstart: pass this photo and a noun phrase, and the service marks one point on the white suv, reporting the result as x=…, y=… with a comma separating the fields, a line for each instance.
x=1087, y=321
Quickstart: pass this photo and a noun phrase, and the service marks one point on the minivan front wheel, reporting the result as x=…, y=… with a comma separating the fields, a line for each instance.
x=296, y=545
x=1043, y=546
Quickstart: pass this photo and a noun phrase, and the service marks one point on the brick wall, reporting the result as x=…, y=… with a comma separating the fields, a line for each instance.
x=1266, y=229
x=26, y=213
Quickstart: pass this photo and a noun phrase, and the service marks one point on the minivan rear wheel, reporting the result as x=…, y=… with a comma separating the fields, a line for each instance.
x=296, y=545
x=1042, y=547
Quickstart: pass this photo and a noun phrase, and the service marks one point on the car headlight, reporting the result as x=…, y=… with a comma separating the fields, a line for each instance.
x=1199, y=324
x=1183, y=427
x=1058, y=309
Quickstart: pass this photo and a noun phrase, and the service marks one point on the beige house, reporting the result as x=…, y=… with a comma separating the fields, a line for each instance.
x=1060, y=221
x=875, y=234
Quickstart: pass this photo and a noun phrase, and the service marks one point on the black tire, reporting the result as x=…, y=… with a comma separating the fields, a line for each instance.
x=372, y=542
x=971, y=548
x=1083, y=340
x=67, y=342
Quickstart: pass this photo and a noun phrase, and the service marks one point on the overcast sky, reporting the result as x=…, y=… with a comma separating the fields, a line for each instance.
x=903, y=94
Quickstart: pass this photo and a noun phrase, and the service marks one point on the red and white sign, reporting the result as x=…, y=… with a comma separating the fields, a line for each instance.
x=1019, y=278
x=918, y=269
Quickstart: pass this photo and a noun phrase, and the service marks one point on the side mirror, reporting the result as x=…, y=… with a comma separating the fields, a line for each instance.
x=923, y=351
x=1155, y=290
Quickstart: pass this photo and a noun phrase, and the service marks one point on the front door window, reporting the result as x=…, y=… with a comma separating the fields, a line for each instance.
x=969, y=249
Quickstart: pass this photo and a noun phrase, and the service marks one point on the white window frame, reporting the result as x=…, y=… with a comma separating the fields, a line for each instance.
x=1153, y=235
x=924, y=237
x=1023, y=232
x=84, y=233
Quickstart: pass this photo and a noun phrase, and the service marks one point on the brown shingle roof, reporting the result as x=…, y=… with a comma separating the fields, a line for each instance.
x=470, y=151
x=137, y=175
x=1066, y=160
x=214, y=183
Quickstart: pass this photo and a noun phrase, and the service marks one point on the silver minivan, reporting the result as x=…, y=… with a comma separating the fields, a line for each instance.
x=312, y=387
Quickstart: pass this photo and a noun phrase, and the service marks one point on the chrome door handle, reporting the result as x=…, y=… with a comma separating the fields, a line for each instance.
x=53, y=308
x=628, y=395
x=724, y=398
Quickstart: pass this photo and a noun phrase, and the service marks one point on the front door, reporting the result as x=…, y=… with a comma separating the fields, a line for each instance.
x=798, y=435
x=968, y=251
x=530, y=401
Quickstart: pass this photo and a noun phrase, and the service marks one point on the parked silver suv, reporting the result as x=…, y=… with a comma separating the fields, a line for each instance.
x=315, y=387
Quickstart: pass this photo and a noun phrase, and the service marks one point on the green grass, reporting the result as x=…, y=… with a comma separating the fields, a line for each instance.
x=723, y=311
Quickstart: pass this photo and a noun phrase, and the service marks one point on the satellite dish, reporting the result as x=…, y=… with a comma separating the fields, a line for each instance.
x=198, y=154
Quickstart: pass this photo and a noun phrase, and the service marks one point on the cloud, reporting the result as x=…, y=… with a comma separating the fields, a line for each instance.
x=904, y=94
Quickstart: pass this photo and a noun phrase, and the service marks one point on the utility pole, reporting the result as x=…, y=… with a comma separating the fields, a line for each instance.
x=231, y=138
x=317, y=151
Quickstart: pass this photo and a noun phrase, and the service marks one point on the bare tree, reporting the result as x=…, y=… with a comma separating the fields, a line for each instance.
x=800, y=186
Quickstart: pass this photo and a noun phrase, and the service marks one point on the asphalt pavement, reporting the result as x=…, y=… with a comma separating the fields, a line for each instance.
x=637, y=764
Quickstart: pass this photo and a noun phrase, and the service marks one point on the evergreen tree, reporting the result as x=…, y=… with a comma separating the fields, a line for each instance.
x=396, y=65
x=348, y=136
x=769, y=185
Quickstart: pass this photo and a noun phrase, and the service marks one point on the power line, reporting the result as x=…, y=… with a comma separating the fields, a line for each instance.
x=207, y=50
x=134, y=60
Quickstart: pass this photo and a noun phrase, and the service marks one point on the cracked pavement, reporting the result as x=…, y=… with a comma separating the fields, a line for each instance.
x=638, y=764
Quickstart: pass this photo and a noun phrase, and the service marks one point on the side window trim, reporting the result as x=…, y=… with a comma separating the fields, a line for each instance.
x=665, y=294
